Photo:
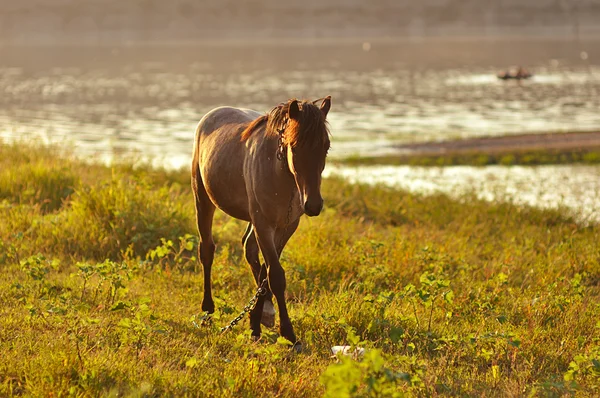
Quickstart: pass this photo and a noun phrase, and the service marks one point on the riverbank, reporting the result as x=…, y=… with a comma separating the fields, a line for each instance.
x=521, y=149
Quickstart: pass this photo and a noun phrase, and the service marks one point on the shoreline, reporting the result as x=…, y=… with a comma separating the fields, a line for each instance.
x=522, y=149
x=518, y=142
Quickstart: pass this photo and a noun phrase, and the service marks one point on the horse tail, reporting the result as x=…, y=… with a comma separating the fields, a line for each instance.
x=196, y=177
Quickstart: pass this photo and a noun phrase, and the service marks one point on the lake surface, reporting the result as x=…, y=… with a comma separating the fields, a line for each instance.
x=110, y=101
x=146, y=101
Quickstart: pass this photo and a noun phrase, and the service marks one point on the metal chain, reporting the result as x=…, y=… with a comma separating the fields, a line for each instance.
x=261, y=291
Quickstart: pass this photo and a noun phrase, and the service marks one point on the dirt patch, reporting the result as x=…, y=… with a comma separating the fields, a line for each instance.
x=491, y=145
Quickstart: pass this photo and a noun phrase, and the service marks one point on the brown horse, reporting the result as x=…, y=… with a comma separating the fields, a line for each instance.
x=264, y=169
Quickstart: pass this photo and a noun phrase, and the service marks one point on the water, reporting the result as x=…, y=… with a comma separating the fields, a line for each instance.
x=112, y=102
x=575, y=188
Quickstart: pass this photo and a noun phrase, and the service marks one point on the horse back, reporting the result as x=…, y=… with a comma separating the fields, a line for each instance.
x=219, y=155
x=225, y=115
x=218, y=134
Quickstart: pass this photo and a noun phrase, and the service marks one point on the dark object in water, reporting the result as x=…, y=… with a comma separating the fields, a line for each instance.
x=519, y=74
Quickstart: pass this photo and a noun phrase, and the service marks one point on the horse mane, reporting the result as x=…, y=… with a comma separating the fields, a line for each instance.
x=311, y=128
x=255, y=124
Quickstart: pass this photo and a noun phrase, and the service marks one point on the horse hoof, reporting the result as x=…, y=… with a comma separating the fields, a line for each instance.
x=268, y=315
x=297, y=347
x=254, y=338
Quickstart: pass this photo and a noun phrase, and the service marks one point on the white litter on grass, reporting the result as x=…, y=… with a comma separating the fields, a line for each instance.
x=358, y=352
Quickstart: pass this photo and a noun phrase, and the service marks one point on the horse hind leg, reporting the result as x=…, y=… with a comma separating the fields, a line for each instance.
x=259, y=271
x=205, y=211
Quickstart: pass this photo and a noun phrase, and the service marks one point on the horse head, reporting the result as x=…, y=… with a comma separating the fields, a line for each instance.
x=306, y=141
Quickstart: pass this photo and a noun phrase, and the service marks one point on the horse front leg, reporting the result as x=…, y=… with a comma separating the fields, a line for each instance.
x=267, y=237
x=251, y=251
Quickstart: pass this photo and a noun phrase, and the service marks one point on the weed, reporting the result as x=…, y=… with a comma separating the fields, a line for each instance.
x=108, y=272
x=432, y=288
x=369, y=377
x=176, y=255
x=137, y=329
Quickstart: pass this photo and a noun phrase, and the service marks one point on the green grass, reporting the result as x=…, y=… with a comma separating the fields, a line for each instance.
x=99, y=286
x=505, y=158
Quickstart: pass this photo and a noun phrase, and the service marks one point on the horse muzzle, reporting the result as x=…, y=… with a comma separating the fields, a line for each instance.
x=313, y=208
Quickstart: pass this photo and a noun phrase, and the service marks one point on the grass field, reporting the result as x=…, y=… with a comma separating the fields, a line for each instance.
x=99, y=287
x=501, y=157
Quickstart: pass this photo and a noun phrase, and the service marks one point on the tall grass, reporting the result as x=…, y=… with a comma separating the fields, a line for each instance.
x=36, y=184
x=98, y=290
x=108, y=218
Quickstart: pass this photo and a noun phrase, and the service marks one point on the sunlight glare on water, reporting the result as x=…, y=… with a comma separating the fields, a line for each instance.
x=572, y=187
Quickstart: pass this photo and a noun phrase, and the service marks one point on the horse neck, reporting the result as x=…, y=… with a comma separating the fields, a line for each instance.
x=284, y=176
x=280, y=174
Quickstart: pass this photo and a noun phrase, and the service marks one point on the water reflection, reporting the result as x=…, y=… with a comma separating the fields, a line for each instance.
x=151, y=102
x=575, y=188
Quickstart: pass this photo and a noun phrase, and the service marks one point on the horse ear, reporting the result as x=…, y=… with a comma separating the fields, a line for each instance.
x=294, y=110
x=326, y=105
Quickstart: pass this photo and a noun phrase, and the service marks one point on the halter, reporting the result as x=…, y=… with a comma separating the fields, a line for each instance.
x=281, y=153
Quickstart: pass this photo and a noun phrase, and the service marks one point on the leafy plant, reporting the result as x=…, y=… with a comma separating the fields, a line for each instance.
x=137, y=329
x=108, y=272
x=175, y=254
x=9, y=252
x=432, y=288
x=586, y=365
x=367, y=377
